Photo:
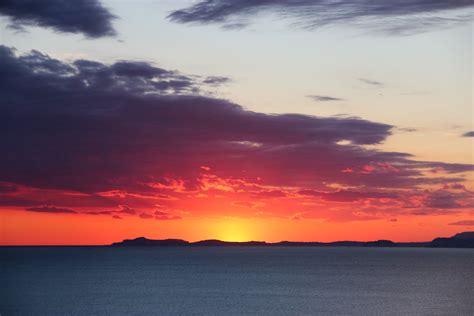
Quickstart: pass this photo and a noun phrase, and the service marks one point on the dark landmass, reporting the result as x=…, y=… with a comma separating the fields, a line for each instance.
x=461, y=240
x=380, y=243
x=215, y=242
x=142, y=241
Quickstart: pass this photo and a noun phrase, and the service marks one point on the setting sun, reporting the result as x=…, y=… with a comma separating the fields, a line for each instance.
x=233, y=229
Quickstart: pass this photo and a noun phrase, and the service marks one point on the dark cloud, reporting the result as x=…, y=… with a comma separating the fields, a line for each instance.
x=442, y=199
x=455, y=186
x=126, y=210
x=216, y=80
x=6, y=187
x=244, y=204
x=463, y=223
x=99, y=213
x=164, y=216
x=323, y=98
x=130, y=69
x=371, y=82
x=130, y=133
x=270, y=194
x=468, y=134
x=50, y=209
x=396, y=16
x=348, y=196
x=421, y=213
x=122, y=210
x=26, y=197
x=407, y=129
x=87, y=17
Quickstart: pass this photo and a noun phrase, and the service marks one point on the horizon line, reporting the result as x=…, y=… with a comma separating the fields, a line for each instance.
x=227, y=241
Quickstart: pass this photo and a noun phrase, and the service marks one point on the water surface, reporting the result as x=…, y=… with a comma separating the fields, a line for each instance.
x=236, y=281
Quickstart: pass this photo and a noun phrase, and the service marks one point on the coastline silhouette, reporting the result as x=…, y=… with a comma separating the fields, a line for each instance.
x=460, y=240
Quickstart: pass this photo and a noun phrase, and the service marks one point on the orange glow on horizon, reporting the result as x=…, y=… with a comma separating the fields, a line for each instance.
x=21, y=228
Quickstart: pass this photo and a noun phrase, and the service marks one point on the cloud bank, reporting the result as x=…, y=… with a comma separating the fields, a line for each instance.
x=129, y=135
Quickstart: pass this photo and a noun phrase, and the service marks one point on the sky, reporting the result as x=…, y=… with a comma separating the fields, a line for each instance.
x=303, y=120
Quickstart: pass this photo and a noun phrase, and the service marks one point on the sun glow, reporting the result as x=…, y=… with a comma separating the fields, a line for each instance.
x=231, y=229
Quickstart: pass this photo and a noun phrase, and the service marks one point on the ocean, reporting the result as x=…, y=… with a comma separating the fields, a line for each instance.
x=236, y=281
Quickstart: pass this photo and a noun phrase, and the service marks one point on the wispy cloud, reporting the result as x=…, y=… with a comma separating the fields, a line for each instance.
x=51, y=209
x=394, y=17
x=324, y=98
x=216, y=80
x=463, y=223
x=371, y=82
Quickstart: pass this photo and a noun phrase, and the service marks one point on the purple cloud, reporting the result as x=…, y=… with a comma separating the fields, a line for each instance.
x=130, y=133
x=348, y=196
x=88, y=17
x=50, y=209
x=396, y=16
x=463, y=223
x=164, y=216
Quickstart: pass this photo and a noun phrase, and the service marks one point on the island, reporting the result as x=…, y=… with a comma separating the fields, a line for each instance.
x=461, y=240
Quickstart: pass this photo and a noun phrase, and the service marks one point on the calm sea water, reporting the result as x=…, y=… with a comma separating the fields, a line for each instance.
x=236, y=281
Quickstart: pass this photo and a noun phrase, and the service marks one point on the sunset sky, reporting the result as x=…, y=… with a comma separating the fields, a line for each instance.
x=237, y=120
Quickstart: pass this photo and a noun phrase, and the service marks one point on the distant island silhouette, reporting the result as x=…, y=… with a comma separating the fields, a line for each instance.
x=461, y=240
